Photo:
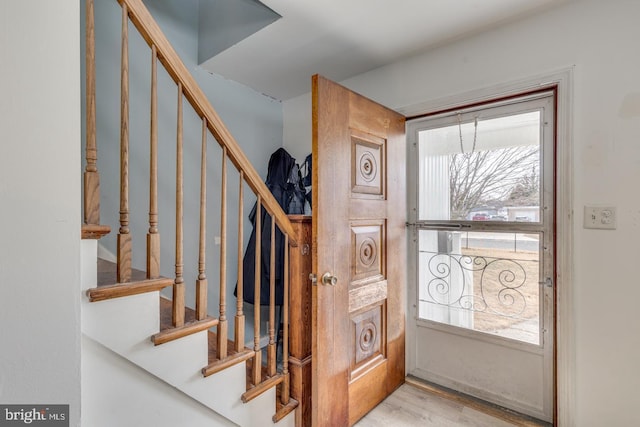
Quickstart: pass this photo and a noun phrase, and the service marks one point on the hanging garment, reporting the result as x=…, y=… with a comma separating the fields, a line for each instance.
x=306, y=181
x=284, y=182
x=307, y=166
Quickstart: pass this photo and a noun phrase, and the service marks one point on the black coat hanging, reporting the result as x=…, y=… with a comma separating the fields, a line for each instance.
x=283, y=180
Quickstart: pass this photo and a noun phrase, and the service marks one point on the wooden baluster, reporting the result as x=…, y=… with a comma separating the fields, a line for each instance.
x=222, y=321
x=178, y=287
x=153, y=237
x=91, y=175
x=284, y=393
x=201, y=283
x=124, y=238
x=239, y=322
x=257, y=359
x=271, y=348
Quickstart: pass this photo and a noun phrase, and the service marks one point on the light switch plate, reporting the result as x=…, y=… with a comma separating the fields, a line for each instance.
x=600, y=217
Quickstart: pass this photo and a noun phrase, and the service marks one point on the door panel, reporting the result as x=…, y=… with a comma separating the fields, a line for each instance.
x=359, y=237
x=482, y=213
x=490, y=375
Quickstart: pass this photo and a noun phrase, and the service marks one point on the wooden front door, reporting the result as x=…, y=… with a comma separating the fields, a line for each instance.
x=360, y=248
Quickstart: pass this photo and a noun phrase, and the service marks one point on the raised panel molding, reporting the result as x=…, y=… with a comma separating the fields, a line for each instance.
x=368, y=347
x=367, y=252
x=367, y=166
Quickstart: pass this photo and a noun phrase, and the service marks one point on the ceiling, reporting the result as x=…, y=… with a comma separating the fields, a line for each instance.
x=343, y=38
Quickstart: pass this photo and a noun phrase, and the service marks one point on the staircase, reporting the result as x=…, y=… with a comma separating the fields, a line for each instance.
x=185, y=346
x=125, y=325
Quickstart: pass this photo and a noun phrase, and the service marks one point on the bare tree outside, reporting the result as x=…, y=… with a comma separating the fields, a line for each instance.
x=506, y=175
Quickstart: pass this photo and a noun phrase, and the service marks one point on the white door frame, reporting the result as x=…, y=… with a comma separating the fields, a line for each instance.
x=564, y=316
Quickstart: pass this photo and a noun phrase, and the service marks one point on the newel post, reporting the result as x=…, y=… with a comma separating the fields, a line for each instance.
x=300, y=292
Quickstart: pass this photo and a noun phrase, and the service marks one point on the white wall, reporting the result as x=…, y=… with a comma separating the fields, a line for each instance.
x=40, y=203
x=223, y=23
x=601, y=40
x=119, y=393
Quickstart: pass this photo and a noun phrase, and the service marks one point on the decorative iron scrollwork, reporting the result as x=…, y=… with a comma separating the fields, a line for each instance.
x=452, y=281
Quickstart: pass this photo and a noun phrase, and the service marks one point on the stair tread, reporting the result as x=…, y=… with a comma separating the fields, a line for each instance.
x=166, y=314
x=283, y=410
x=264, y=373
x=108, y=288
x=213, y=350
x=166, y=322
x=94, y=231
x=168, y=332
x=107, y=274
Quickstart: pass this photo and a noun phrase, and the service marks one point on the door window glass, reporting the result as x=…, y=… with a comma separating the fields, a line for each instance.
x=484, y=281
x=483, y=217
x=481, y=169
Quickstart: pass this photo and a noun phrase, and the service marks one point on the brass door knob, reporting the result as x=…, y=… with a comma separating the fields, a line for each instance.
x=329, y=279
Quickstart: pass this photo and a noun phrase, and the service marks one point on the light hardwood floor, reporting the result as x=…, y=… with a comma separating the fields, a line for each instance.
x=410, y=406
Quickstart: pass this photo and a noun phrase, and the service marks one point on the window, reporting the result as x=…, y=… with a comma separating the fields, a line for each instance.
x=484, y=215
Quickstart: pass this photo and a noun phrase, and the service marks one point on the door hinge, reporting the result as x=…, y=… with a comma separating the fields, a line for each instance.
x=548, y=282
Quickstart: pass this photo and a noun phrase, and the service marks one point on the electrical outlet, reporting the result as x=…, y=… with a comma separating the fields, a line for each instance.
x=600, y=217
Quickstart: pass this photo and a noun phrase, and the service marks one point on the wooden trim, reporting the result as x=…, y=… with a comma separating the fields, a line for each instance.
x=285, y=410
x=265, y=385
x=466, y=106
x=473, y=403
x=220, y=365
x=92, y=231
x=123, y=290
x=172, y=334
x=293, y=361
x=150, y=31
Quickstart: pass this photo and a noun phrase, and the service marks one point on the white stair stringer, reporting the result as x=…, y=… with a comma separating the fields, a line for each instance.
x=125, y=325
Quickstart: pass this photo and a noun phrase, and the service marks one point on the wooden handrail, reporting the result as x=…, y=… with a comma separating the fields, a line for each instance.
x=153, y=35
